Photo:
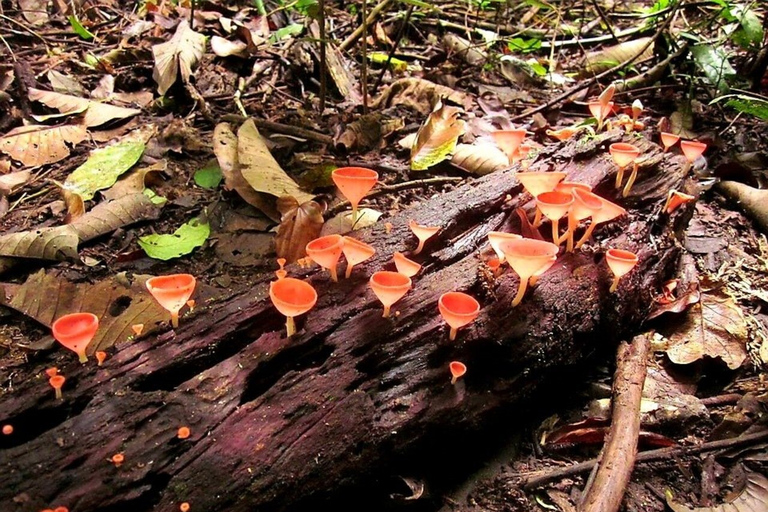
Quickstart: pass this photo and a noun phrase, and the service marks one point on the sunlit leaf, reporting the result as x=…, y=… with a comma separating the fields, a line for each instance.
x=96, y=113
x=182, y=242
x=180, y=54
x=103, y=167
x=36, y=145
x=79, y=29
x=714, y=63
x=437, y=137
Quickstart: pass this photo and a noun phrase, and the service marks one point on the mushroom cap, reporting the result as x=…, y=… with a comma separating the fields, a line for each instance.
x=458, y=309
x=609, y=211
x=354, y=182
x=675, y=199
x=554, y=205
x=326, y=250
x=539, y=182
x=669, y=139
x=405, y=266
x=567, y=187
x=599, y=109
x=389, y=287
x=76, y=330
x=422, y=232
x=692, y=149
x=620, y=261
x=57, y=381
x=497, y=237
x=172, y=291
x=623, y=154
x=509, y=140
x=585, y=204
x=527, y=256
x=458, y=369
x=356, y=251
x=101, y=356
x=291, y=296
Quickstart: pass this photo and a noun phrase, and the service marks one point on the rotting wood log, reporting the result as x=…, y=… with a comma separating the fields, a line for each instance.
x=279, y=423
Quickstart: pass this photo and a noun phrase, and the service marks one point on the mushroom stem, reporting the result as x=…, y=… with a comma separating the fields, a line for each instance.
x=630, y=181
x=386, y=312
x=174, y=319
x=290, y=326
x=556, y=232
x=419, y=247
x=58, y=393
x=354, y=214
x=587, y=234
x=615, y=284
x=334, y=275
x=452, y=335
x=572, y=223
x=454, y=379
x=82, y=356
x=537, y=220
x=349, y=271
x=619, y=177
x=533, y=280
x=520, y=292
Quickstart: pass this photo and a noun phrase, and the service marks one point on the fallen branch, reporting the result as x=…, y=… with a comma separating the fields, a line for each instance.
x=354, y=36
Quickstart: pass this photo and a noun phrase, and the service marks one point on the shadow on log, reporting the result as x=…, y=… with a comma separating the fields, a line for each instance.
x=278, y=423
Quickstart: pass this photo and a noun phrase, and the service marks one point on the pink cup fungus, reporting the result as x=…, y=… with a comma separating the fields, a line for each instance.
x=7, y=430
x=458, y=369
x=281, y=273
x=600, y=111
x=183, y=433
x=101, y=356
x=326, y=251
x=458, y=309
x=528, y=257
x=563, y=133
x=496, y=238
x=608, y=212
x=668, y=140
x=51, y=372
x=292, y=297
x=585, y=205
x=117, y=459
x=509, y=141
x=405, y=266
x=554, y=206
x=676, y=199
x=389, y=287
x=75, y=331
x=692, y=150
x=172, y=292
x=537, y=183
x=567, y=187
x=355, y=252
x=620, y=262
x=57, y=382
x=354, y=183
x=624, y=155
x=423, y=233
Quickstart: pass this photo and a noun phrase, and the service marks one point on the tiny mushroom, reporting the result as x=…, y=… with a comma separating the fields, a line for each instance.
x=292, y=297
x=624, y=155
x=75, y=331
x=184, y=507
x=585, y=205
x=620, y=262
x=355, y=252
x=554, y=206
x=137, y=329
x=423, y=233
x=172, y=292
x=564, y=133
x=675, y=199
x=668, y=140
x=7, y=430
x=509, y=141
x=183, y=433
x=281, y=272
x=101, y=356
x=457, y=309
x=458, y=369
x=354, y=183
x=117, y=459
x=389, y=287
x=325, y=251
x=527, y=257
x=692, y=150
x=56, y=382
x=405, y=266
x=51, y=372
x=536, y=183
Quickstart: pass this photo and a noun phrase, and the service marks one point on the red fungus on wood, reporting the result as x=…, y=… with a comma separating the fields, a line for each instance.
x=183, y=433
x=423, y=233
x=554, y=206
x=405, y=266
x=354, y=183
x=292, y=297
x=676, y=199
x=56, y=382
x=355, y=252
x=620, y=262
x=101, y=356
x=117, y=459
x=75, y=331
x=528, y=257
x=458, y=309
x=509, y=141
x=172, y=292
x=326, y=251
x=389, y=287
x=7, y=430
x=458, y=369
x=668, y=140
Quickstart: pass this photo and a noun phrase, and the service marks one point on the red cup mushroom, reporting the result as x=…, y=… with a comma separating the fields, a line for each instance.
x=624, y=155
x=325, y=251
x=509, y=141
x=7, y=430
x=423, y=233
x=355, y=252
x=172, y=292
x=405, y=266
x=292, y=297
x=567, y=187
x=537, y=183
x=600, y=110
x=389, y=287
x=692, y=150
x=354, y=183
x=57, y=382
x=458, y=309
x=668, y=140
x=620, y=262
x=75, y=331
x=608, y=212
x=183, y=432
x=675, y=199
x=554, y=206
x=528, y=257
x=101, y=356
x=117, y=459
x=458, y=369
x=281, y=272
x=585, y=205
x=496, y=238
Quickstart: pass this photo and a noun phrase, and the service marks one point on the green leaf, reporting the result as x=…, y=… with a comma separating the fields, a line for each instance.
x=294, y=29
x=539, y=4
x=103, y=167
x=755, y=107
x=209, y=176
x=183, y=241
x=751, y=31
x=394, y=63
x=79, y=28
x=519, y=44
x=154, y=197
x=714, y=63
x=538, y=68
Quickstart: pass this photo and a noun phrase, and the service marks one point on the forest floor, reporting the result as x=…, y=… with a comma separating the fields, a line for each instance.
x=709, y=326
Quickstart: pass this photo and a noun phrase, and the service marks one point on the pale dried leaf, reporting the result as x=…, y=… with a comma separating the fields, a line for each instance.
x=300, y=225
x=9, y=183
x=464, y=49
x=108, y=216
x=226, y=48
x=57, y=244
x=180, y=54
x=753, y=498
x=607, y=58
x=34, y=11
x=134, y=181
x=75, y=205
x=225, y=149
x=419, y=94
x=64, y=84
x=96, y=113
x=37, y=145
x=714, y=327
x=105, y=88
x=342, y=223
x=437, y=137
x=479, y=159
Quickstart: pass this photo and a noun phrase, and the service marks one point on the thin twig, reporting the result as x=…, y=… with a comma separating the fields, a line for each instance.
x=364, y=63
x=323, y=61
x=400, y=34
x=349, y=41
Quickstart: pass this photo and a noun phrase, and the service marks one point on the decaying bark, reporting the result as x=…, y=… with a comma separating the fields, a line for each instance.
x=278, y=423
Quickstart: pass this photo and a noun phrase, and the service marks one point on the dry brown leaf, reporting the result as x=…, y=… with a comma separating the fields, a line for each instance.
x=10, y=182
x=225, y=149
x=753, y=498
x=368, y=132
x=57, y=244
x=480, y=159
x=464, y=49
x=607, y=58
x=37, y=145
x=108, y=216
x=34, y=11
x=135, y=181
x=96, y=113
x=300, y=225
x=226, y=48
x=64, y=84
x=339, y=69
x=714, y=327
x=180, y=54
x=419, y=94
x=75, y=204
x=437, y=137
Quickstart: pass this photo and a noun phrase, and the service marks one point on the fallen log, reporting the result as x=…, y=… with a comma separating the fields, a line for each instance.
x=278, y=424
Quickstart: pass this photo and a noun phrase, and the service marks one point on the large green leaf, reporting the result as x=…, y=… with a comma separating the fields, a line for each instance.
x=714, y=63
x=750, y=33
x=103, y=167
x=183, y=241
x=756, y=107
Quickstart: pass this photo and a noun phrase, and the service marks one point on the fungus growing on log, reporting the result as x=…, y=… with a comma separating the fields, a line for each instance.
x=389, y=287
x=458, y=309
x=172, y=292
x=56, y=382
x=668, y=140
x=137, y=329
x=355, y=252
x=281, y=272
x=554, y=206
x=405, y=266
x=600, y=111
x=354, y=183
x=325, y=251
x=51, y=372
x=117, y=459
x=537, y=183
x=496, y=238
x=458, y=369
x=567, y=187
x=676, y=199
x=423, y=233
x=75, y=331
x=509, y=141
x=7, y=430
x=101, y=356
x=692, y=150
x=184, y=507
x=183, y=433
x=528, y=257
x=608, y=212
x=585, y=205
x=292, y=297
x=620, y=262
x=624, y=155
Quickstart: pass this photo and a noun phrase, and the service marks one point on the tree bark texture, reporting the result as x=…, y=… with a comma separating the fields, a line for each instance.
x=278, y=423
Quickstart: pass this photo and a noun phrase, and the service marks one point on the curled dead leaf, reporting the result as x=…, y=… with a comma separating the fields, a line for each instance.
x=300, y=225
x=479, y=159
x=96, y=113
x=437, y=137
x=36, y=145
